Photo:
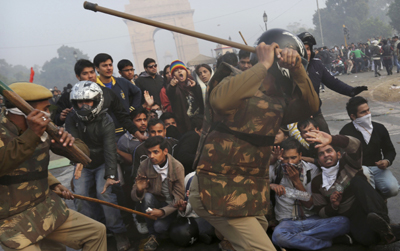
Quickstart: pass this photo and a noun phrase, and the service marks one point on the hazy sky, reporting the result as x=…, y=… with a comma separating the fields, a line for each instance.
x=32, y=31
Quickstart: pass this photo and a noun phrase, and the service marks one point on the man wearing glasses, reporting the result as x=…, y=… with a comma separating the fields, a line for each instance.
x=150, y=81
x=126, y=70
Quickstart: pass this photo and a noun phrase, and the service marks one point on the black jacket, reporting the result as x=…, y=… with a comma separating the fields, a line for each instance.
x=180, y=105
x=375, y=50
x=99, y=136
x=325, y=57
x=185, y=150
x=379, y=144
x=128, y=93
x=111, y=102
x=319, y=74
x=153, y=85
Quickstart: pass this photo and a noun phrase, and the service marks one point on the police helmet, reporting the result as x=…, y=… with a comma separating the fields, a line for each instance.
x=285, y=39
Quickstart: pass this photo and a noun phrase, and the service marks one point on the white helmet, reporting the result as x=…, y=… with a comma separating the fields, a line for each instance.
x=87, y=90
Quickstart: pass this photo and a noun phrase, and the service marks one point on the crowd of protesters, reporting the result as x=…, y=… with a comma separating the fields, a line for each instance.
x=374, y=55
x=143, y=131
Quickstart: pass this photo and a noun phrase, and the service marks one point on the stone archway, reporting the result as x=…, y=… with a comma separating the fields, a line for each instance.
x=173, y=12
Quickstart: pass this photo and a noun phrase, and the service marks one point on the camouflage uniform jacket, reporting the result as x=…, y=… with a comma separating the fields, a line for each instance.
x=29, y=211
x=232, y=173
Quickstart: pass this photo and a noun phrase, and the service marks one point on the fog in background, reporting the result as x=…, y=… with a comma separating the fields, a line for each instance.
x=32, y=31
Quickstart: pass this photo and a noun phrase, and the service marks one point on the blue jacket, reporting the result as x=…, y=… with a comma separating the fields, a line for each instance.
x=128, y=93
x=319, y=74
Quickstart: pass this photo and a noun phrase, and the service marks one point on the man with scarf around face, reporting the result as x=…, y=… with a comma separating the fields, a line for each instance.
x=299, y=227
x=378, y=150
x=343, y=190
x=231, y=186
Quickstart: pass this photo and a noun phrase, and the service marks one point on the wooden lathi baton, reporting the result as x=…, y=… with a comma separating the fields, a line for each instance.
x=94, y=7
x=242, y=37
x=74, y=152
x=113, y=205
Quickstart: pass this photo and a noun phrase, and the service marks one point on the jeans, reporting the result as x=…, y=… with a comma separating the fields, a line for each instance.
x=367, y=200
x=376, y=66
x=396, y=62
x=92, y=182
x=387, y=62
x=384, y=181
x=160, y=226
x=359, y=64
x=312, y=233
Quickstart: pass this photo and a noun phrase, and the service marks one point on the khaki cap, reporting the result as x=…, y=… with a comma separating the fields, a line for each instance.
x=30, y=91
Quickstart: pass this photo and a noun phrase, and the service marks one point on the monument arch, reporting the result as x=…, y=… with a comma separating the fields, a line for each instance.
x=173, y=12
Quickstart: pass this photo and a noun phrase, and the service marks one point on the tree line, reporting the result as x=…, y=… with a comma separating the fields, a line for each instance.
x=59, y=71
x=364, y=19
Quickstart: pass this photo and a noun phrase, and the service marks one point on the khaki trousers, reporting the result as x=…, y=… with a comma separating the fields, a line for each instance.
x=77, y=232
x=244, y=233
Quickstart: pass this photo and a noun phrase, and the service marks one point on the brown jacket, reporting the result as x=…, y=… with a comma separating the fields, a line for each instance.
x=350, y=165
x=176, y=187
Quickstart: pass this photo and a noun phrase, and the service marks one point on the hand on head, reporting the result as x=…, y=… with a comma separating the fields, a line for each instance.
x=320, y=137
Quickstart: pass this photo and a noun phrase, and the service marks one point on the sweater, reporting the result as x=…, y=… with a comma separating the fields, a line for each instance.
x=153, y=85
x=379, y=147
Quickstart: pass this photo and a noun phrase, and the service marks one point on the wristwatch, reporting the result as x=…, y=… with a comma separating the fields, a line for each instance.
x=111, y=177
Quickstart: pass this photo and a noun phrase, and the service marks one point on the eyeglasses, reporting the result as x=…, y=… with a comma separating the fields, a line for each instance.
x=152, y=66
x=128, y=70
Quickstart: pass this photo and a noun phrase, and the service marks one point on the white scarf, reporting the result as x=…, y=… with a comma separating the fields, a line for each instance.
x=17, y=111
x=162, y=170
x=364, y=125
x=329, y=176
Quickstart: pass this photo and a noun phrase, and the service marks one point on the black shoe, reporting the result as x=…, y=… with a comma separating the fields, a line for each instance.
x=205, y=238
x=343, y=239
x=379, y=225
x=396, y=231
x=378, y=74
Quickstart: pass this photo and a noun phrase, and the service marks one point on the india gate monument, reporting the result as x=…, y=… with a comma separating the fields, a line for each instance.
x=173, y=12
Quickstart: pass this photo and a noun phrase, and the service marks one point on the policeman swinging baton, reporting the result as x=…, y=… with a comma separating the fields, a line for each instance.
x=76, y=154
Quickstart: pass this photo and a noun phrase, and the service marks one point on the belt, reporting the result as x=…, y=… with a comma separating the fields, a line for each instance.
x=254, y=139
x=7, y=180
